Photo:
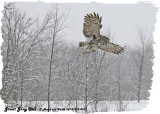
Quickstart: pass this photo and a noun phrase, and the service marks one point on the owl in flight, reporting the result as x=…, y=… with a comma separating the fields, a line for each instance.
x=91, y=29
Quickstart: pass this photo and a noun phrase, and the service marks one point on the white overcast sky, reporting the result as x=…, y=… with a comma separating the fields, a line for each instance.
x=122, y=18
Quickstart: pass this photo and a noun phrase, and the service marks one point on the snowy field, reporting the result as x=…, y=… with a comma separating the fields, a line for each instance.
x=103, y=106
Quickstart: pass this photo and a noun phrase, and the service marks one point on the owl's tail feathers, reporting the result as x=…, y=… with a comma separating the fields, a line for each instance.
x=81, y=44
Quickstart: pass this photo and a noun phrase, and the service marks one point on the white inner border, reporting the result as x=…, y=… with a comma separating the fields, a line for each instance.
x=153, y=106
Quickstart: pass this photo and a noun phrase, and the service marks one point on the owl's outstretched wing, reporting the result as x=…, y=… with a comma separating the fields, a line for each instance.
x=112, y=48
x=92, y=25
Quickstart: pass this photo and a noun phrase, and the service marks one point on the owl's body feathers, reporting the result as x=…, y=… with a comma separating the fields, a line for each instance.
x=91, y=29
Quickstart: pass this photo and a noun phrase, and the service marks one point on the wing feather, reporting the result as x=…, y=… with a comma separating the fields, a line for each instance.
x=112, y=48
x=92, y=25
x=91, y=15
x=97, y=15
x=100, y=19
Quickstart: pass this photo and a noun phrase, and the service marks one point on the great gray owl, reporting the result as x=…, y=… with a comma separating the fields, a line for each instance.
x=91, y=29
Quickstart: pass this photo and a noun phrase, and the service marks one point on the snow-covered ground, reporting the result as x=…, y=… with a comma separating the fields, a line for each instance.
x=103, y=106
